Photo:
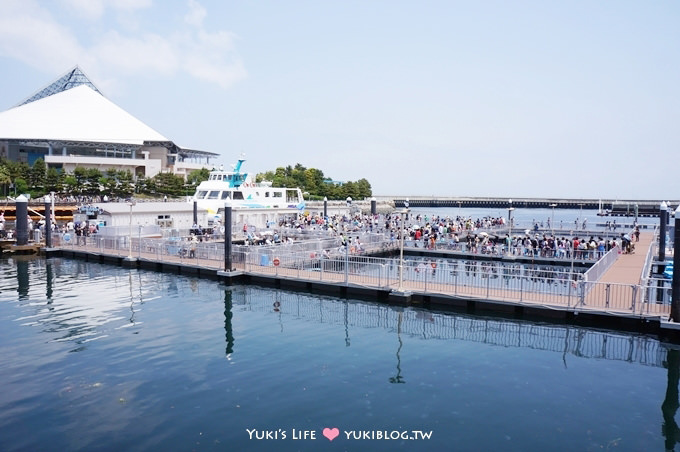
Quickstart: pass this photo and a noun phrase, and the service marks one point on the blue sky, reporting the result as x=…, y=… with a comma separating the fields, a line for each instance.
x=449, y=98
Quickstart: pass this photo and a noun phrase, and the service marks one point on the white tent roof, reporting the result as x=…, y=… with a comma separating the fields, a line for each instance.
x=77, y=114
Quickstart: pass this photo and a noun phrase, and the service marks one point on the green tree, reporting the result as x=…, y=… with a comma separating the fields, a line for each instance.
x=313, y=181
x=197, y=176
x=350, y=189
x=80, y=173
x=21, y=185
x=54, y=181
x=269, y=175
x=168, y=184
x=71, y=185
x=364, y=189
x=92, y=185
x=5, y=179
x=37, y=176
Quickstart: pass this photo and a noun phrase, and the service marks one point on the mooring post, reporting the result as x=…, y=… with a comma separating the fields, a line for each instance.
x=48, y=222
x=675, y=287
x=227, y=235
x=22, y=220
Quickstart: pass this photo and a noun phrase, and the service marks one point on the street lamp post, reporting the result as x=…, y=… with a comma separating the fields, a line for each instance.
x=131, y=203
x=48, y=223
x=403, y=213
x=552, y=220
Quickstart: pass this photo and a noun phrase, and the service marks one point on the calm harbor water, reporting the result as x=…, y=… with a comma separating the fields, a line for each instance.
x=96, y=357
x=524, y=218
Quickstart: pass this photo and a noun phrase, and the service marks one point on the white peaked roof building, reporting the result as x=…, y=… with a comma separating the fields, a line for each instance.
x=79, y=114
x=70, y=123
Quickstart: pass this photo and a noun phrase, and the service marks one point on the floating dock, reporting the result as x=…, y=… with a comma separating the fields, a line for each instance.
x=613, y=302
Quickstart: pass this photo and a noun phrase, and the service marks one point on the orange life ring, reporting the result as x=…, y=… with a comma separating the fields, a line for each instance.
x=434, y=265
x=353, y=250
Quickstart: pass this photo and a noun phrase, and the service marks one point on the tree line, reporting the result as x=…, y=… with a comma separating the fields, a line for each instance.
x=38, y=180
x=313, y=182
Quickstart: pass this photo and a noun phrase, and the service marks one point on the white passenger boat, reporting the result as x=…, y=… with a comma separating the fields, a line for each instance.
x=252, y=203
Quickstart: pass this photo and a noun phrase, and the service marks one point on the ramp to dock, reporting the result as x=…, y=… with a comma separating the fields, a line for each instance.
x=628, y=267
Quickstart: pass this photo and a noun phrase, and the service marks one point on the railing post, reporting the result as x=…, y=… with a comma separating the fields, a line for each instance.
x=635, y=291
x=425, y=278
x=607, y=294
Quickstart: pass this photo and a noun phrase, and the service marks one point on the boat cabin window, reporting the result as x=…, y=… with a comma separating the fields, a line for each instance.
x=164, y=221
x=266, y=194
x=238, y=195
x=277, y=194
x=201, y=194
x=213, y=195
x=226, y=194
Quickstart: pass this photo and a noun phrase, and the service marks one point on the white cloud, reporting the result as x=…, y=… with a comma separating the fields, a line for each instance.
x=148, y=53
x=94, y=9
x=30, y=33
x=196, y=14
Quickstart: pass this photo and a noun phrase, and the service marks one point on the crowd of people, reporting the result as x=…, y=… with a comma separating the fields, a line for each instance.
x=485, y=235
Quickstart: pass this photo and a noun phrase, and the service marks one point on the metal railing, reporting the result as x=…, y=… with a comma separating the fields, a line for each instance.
x=473, y=279
x=499, y=249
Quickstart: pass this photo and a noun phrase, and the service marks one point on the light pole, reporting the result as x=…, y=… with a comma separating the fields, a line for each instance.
x=552, y=220
x=131, y=203
x=403, y=213
x=48, y=223
x=510, y=209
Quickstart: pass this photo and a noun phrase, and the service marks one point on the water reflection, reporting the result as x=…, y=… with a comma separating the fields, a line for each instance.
x=228, y=314
x=347, y=341
x=49, y=281
x=89, y=297
x=22, y=278
x=567, y=340
x=670, y=405
x=398, y=377
x=173, y=378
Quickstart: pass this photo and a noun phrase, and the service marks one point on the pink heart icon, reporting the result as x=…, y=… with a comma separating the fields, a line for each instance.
x=331, y=433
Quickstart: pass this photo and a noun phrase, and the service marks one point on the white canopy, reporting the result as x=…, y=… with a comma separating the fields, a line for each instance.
x=77, y=114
